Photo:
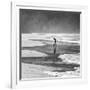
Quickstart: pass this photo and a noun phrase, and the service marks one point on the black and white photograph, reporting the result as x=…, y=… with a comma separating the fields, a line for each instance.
x=49, y=44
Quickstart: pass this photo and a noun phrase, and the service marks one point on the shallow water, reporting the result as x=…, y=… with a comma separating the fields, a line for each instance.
x=38, y=60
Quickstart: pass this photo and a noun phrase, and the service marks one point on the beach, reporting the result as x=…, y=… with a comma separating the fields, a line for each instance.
x=39, y=61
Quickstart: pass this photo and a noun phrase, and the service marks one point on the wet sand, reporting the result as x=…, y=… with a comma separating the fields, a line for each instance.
x=39, y=61
x=39, y=71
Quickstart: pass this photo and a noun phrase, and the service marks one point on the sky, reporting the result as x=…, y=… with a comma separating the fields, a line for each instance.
x=46, y=21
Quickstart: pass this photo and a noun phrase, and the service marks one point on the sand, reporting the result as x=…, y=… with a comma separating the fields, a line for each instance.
x=34, y=71
x=30, y=71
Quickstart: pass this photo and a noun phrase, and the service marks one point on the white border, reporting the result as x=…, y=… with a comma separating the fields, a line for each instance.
x=15, y=82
